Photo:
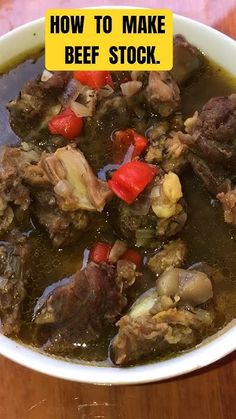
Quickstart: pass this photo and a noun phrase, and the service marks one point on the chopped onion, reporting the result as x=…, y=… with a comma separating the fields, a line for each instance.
x=80, y=110
x=117, y=251
x=155, y=192
x=142, y=204
x=128, y=155
x=85, y=259
x=102, y=173
x=70, y=93
x=46, y=75
x=131, y=87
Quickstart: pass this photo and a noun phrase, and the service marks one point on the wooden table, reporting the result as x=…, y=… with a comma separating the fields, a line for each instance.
x=206, y=394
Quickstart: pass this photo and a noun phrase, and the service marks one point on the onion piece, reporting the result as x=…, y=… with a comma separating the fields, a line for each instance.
x=85, y=258
x=142, y=204
x=131, y=87
x=155, y=192
x=70, y=93
x=80, y=110
x=117, y=250
x=102, y=173
x=46, y=75
x=128, y=155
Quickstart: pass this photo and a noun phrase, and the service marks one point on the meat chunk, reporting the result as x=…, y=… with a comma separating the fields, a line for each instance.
x=187, y=60
x=212, y=141
x=171, y=256
x=136, y=339
x=63, y=228
x=164, y=217
x=214, y=177
x=164, y=318
x=78, y=308
x=143, y=334
x=130, y=223
x=228, y=201
x=123, y=111
x=13, y=257
x=162, y=93
x=158, y=130
x=75, y=185
x=126, y=272
x=13, y=162
x=169, y=227
x=64, y=189
x=36, y=104
x=130, y=88
x=24, y=182
x=214, y=132
x=112, y=103
x=168, y=151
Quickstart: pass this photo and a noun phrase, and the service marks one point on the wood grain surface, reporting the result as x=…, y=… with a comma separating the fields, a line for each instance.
x=206, y=394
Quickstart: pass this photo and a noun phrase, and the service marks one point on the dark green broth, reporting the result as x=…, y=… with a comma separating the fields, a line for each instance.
x=208, y=238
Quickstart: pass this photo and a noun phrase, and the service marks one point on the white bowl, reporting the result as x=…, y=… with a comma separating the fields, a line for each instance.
x=223, y=51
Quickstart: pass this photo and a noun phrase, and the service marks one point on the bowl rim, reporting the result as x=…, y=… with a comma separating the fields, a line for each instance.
x=209, y=351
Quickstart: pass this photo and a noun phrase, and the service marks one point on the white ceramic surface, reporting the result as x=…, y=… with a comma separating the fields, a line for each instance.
x=223, y=50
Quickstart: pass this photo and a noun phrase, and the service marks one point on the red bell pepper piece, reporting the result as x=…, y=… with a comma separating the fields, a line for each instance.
x=133, y=256
x=131, y=179
x=66, y=124
x=100, y=252
x=94, y=79
x=140, y=144
x=123, y=140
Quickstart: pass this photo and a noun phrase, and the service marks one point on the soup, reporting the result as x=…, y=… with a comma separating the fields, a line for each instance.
x=117, y=208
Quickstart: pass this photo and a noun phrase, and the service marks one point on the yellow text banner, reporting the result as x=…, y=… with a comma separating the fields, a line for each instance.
x=108, y=39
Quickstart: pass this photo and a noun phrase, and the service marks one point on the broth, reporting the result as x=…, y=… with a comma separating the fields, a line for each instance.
x=208, y=238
